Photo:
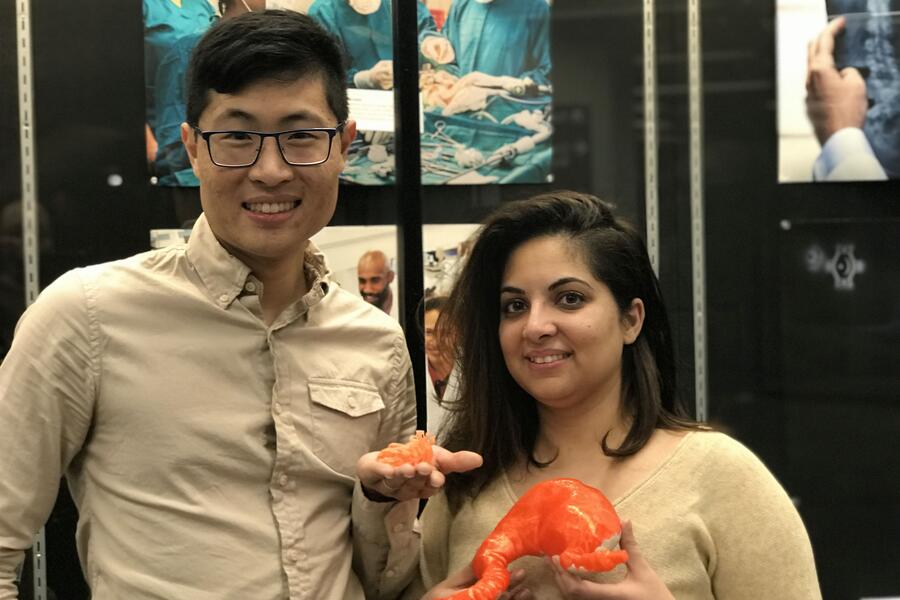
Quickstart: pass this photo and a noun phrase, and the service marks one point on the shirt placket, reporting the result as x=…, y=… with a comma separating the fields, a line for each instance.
x=286, y=503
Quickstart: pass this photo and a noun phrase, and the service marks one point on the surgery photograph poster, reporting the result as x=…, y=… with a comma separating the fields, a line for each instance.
x=485, y=101
x=838, y=65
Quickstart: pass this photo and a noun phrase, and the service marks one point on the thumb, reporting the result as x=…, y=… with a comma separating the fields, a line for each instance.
x=852, y=74
x=456, y=462
x=629, y=543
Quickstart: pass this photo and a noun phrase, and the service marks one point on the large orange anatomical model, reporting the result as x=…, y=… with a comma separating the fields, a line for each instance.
x=558, y=517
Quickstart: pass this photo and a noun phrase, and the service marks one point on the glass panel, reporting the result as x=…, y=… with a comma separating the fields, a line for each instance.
x=798, y=355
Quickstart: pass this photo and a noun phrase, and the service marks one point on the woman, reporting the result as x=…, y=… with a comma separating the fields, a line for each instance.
x=567, y=370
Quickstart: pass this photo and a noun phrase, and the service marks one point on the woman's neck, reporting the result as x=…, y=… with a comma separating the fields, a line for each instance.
x=577, y=433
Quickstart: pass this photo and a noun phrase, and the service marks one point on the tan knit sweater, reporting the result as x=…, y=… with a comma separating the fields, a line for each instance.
x=711, y=520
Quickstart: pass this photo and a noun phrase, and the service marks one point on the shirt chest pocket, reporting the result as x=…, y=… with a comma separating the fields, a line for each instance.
x=346, y=416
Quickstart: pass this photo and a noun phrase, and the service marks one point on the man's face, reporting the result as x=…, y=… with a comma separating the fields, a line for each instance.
x=374, y=279
x=266, y=213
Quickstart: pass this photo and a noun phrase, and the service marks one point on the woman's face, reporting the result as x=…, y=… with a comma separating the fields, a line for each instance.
x=561, y=331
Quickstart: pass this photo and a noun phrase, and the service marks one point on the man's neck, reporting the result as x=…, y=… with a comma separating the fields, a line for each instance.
x=388, y=301
x=283, y=283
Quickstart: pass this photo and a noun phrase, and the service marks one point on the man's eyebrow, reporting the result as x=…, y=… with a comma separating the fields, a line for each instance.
x=303, y=115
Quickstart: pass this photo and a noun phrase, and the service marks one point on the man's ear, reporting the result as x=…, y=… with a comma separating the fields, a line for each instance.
x=390, y=276
x=348, y=134
x=633, y=321
x=189, y=139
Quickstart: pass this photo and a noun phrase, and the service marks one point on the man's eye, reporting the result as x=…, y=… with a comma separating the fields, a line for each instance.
x=236, y=136
x=299, y=136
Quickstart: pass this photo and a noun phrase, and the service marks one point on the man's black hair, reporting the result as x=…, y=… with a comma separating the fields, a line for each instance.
x=273, y=44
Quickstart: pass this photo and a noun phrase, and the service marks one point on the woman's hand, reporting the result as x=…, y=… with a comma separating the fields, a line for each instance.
x=409, y=481
x=464, y=578
x=641, y=582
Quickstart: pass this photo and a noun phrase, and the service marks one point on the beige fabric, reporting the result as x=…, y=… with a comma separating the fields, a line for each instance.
x=711, y=520
x=211, y=456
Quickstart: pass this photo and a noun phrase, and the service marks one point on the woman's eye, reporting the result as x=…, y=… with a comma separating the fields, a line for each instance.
x=513, y=306
x=570, y=299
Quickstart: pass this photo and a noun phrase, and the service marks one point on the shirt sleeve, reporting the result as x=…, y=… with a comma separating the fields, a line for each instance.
x=47, y=388
x=848, y=156
x=762, y=549
x=385, y=548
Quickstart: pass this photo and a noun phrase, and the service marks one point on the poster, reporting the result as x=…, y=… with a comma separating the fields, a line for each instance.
x=485, y=87
x=349, y=251
x=485, y=93
x=835, y=124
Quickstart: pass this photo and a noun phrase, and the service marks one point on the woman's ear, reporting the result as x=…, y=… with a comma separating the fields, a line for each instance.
x=633, y=321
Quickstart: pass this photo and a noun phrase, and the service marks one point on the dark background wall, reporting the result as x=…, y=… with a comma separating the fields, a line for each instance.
x=803, y=373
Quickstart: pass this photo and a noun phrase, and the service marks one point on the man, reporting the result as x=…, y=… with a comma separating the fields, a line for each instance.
x=500, y=44
x=208, y=402
x=165, y=22
x=172, y=166
x=375, y=277
x=836, y=105
x=364, y=27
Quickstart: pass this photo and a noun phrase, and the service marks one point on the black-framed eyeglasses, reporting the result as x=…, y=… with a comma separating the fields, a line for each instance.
x=299, y=147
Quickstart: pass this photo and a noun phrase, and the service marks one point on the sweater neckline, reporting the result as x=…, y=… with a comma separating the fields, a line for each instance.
x=511, y=494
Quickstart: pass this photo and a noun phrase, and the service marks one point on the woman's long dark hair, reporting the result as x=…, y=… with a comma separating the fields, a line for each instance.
x=493, y=415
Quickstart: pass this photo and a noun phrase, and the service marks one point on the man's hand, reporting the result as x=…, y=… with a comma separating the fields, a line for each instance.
x=407, y=482
x=513, y=85
x=438, y=49
x=380, y=76
x=834, y=99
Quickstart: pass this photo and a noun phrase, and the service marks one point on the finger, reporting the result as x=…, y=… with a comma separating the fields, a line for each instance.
x=852, y=75
x=629, y=543
x=456, y=462
x=825, y=41
x=462, y=578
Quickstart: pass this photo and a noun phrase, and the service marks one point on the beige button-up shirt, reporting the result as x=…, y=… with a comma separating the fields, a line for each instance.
x=211, y=456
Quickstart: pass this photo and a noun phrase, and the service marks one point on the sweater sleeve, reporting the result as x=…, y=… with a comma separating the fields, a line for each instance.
x=761, y=547
x=434, y=529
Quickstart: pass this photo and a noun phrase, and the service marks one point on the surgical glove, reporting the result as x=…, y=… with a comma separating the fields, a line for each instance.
x=513, y=85
x=378, y=137
x=470, y=98
x=438, y=49
x=380, y=76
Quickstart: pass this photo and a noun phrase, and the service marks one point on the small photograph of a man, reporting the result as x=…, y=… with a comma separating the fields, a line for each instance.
x=375, y=277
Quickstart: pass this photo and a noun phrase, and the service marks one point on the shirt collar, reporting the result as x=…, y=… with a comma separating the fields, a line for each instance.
x=224, y=276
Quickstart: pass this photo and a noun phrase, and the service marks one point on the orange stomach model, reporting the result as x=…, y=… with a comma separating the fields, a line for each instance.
x=559, y=517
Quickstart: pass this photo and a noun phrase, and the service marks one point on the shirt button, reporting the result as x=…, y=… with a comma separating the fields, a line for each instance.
x=399, y=527
x=292, y=555
x=351, y=401
x=223, y=298
x=283, y=480
x=277, y=408
x=250, y=286
x=390, y=573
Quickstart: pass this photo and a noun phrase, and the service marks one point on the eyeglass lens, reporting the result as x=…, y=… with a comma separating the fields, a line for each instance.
x=239, y=148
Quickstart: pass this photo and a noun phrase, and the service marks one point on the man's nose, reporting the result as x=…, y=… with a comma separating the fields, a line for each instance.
x=270, y=167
